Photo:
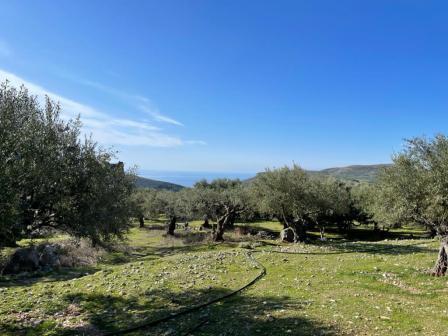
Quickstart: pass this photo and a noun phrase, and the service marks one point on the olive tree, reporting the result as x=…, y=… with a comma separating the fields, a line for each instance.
x=284, y=193
x=329, y=203
x=174, y=205
x=415, y=189
x=300, y=201
x=223, y=200
x=51, y=178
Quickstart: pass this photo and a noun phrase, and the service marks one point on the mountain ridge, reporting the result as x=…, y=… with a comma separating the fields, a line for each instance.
x=360, y=173
x=353, y=172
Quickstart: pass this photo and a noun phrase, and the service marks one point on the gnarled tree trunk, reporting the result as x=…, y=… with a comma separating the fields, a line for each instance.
x=218, y=234
x=300, y=230
x=206, y=223
x=171, y=225
x=296, y=225
x=285, y=224
x=442, y=261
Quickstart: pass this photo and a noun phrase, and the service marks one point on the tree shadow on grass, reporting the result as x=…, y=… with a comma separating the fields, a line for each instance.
x=238, y=315
x=62, y=274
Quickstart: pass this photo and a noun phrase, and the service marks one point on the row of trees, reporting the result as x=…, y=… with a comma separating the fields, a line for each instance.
x=290, y=195
x=52, y=179
x=413, y=190
x=223, y=201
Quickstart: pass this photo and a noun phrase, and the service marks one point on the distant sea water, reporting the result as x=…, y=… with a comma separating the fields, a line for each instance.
x=188, y=179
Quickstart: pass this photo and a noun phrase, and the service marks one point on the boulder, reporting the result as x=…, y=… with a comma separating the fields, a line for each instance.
x=287, y=235
x=49, y=256
x=22, y=260
x=34, y=258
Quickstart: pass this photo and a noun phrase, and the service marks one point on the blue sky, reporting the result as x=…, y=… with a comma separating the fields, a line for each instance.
x=237, y=86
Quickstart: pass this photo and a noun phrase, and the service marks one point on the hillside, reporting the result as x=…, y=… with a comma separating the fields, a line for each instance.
x=352, y=173
x=143, y=182
x=356, y=172
x=364, y=173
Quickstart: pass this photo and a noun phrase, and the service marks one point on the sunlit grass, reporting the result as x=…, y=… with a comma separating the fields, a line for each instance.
x=333, y=288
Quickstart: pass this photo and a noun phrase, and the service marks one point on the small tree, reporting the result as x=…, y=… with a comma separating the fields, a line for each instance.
x=299, y=201
x=223, y=200
x=329, y=203
x=285, y=193
x=174, y=205
x=139, y=202
x=167, y=202
x=415, y=190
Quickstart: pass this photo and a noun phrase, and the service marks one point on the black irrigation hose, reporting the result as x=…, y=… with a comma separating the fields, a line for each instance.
x=195, y=308
x=256, y=279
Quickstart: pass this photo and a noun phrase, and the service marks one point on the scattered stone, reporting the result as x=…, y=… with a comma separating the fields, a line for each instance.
x=287, y=235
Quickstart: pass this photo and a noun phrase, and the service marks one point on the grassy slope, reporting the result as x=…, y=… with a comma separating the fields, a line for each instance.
x=359, y=288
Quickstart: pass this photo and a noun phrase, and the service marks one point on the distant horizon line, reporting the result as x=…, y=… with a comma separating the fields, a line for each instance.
x=256, y=171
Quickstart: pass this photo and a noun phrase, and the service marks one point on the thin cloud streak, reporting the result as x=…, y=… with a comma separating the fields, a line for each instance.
x=157, y=116
x=140, y=102
x=105, y=128
x=196, y=142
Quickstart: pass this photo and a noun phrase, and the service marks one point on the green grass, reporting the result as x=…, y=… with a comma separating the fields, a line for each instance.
x=329, y=288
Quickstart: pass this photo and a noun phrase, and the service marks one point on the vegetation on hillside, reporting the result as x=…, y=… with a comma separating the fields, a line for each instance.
x=362, y=173
x=143, y=182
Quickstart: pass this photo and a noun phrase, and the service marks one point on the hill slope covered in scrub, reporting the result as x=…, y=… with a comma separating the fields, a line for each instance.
x=143, y=182
x=356, y=172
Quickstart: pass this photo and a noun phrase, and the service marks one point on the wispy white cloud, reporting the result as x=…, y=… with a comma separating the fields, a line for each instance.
x=195, y=142
x=5, y=49
x=137, y=101
x=105, y=128
x=156, y=115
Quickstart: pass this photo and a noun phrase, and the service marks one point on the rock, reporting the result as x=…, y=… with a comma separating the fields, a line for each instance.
x=22, y=260
x=266, y=234
x=49, y=256
x=287, y=235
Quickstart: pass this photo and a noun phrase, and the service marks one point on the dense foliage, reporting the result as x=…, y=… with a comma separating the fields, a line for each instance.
x=51, y=179
x=300, y=201
x=415, y=188
x=224, y=201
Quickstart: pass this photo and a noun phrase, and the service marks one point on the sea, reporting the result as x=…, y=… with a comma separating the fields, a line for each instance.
x=189, y=178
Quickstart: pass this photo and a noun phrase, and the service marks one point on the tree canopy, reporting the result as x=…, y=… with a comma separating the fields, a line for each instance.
x=415, y=188
x=51, y=178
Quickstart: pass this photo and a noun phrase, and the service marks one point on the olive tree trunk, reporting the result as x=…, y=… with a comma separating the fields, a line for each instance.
x=171, y=225
x=218, y=234
x=299, y=230
x=206, y=223
x=322, y=232
x=442, y=261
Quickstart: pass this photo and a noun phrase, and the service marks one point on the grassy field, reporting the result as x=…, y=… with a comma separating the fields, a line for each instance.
x=336, y=287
